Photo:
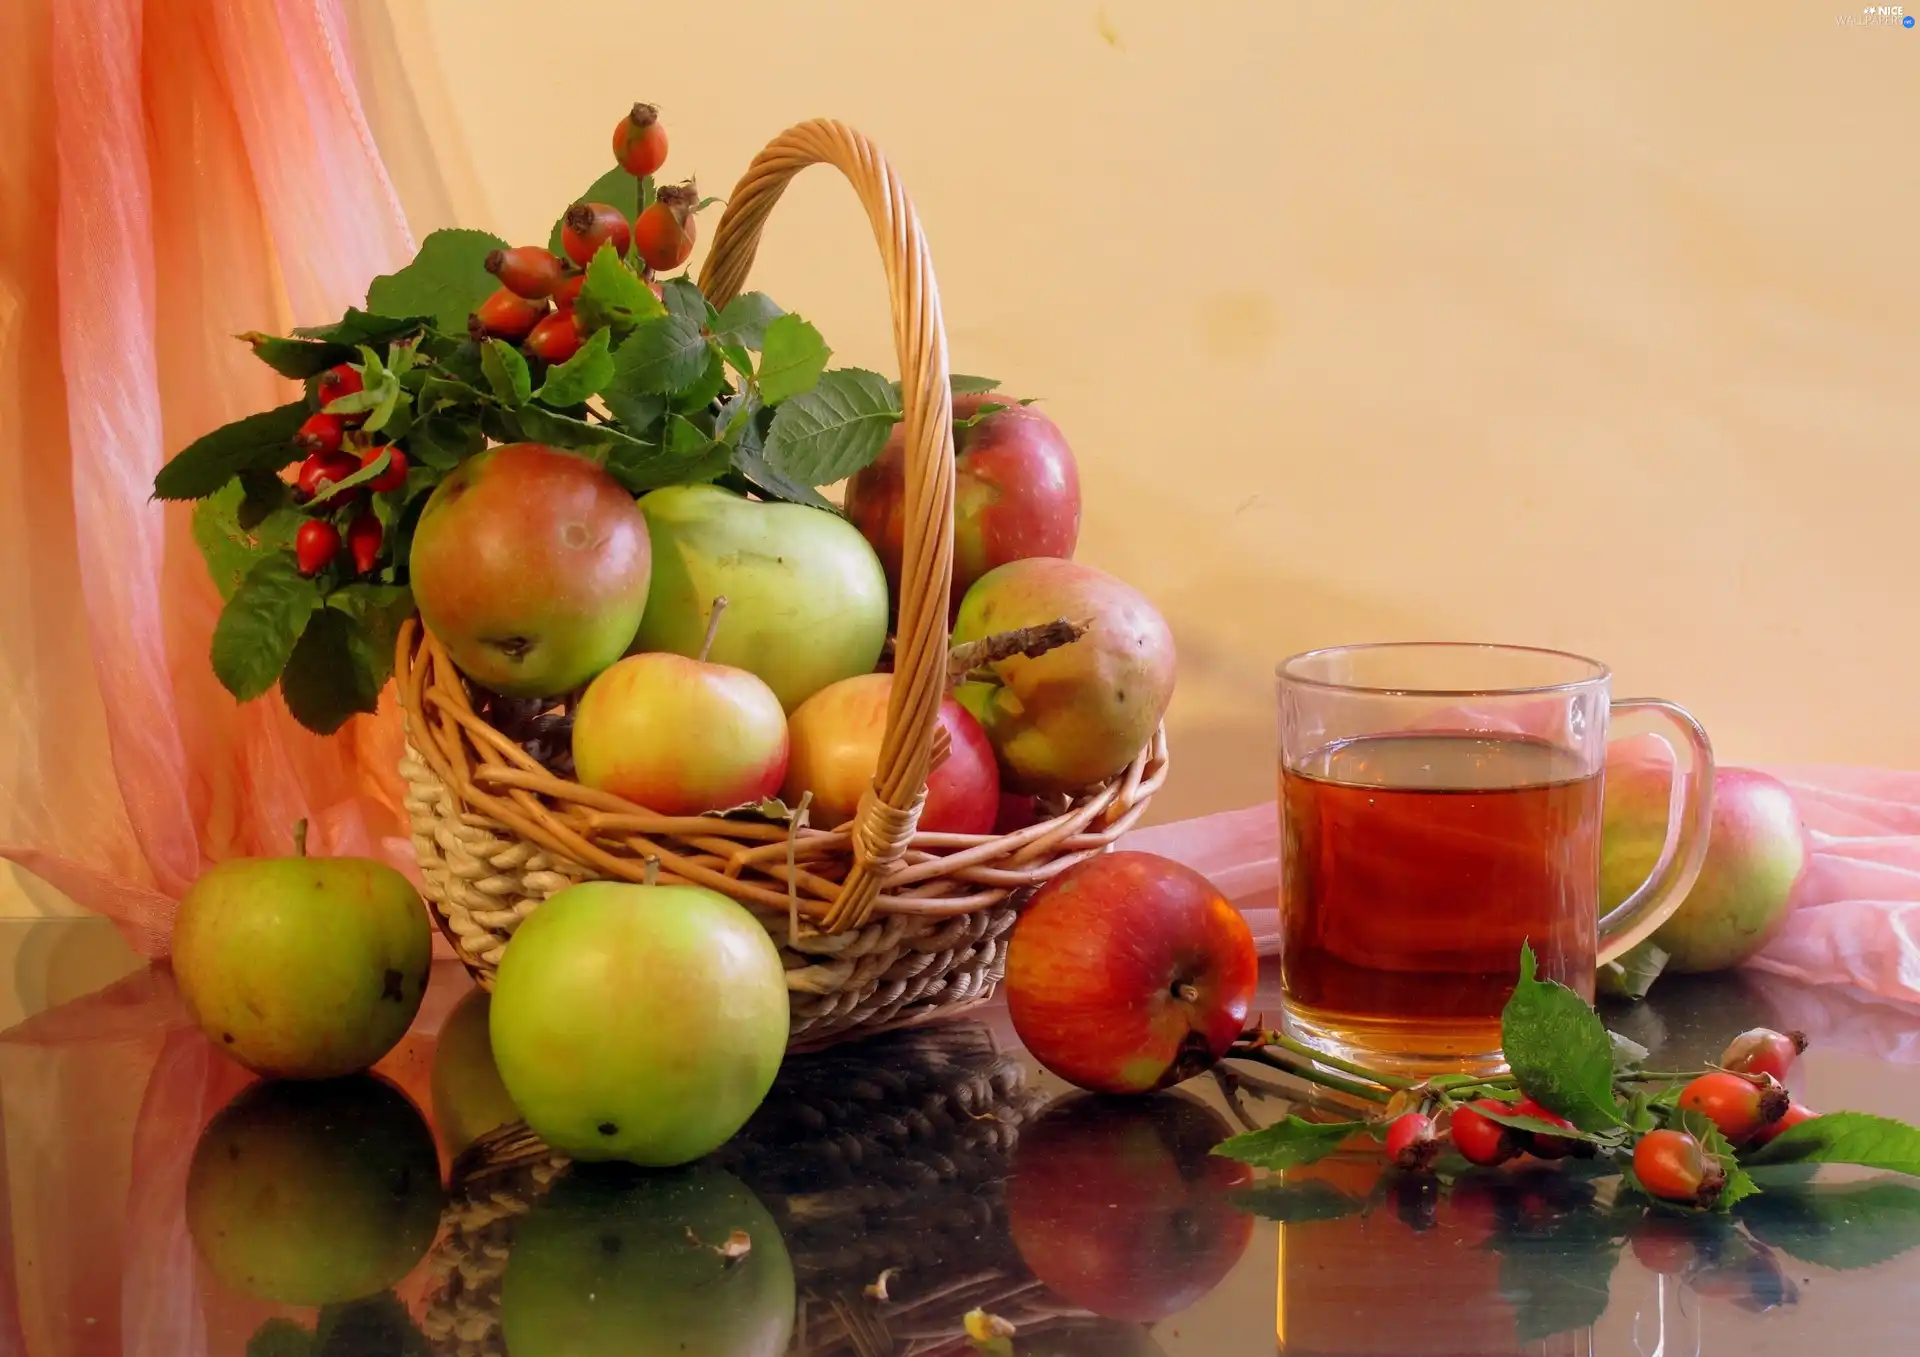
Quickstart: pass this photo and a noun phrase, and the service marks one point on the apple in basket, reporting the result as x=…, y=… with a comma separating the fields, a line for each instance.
x=1074, y=716
x=1016, y=492
x=642, y=1023
x=1129, y=972
x=314, y=1193
x=1123, y=1209
x=835, y=748
x=681, y=736
x=807, y=600
x=531, y=565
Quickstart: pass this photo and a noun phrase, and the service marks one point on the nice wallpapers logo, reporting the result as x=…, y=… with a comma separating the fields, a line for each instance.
x=1876, y=16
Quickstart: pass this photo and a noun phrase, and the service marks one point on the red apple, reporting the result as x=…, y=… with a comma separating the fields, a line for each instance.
x=1079, y=714
x=680, y=736
x=1122, y=1209
x=1129, y=972
x=834, y=743
x=1756, y=853
x=1016, y=493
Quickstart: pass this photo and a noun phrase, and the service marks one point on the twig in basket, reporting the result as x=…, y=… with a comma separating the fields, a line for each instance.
x=1032, y=642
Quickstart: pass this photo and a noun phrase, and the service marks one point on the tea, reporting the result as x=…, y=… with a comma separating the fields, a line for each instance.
x=1413, y=867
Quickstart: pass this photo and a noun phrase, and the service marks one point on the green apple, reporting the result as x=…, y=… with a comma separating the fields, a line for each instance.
x=680, y=736
x=1756, y=852
x=314, y=1193
x=303, y=968
x=642, y=1023
x=531, y=565
x=468, y=1098
x=1077, y=715
x=806, y=597
x=613, y=1261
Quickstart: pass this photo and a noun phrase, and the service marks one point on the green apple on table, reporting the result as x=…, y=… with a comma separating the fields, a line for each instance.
x=642, y=1023
x=806, y=597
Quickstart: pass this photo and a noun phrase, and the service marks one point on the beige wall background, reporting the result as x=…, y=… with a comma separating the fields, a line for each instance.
x=1577, y=325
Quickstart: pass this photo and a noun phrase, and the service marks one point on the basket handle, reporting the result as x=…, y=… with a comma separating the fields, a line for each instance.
x=890, y=807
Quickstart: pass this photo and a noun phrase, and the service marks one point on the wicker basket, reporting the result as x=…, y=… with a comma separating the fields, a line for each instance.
x=879, y=926
x=888, y=1155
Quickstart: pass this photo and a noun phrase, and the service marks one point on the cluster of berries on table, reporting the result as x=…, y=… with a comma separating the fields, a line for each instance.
x=1742, y=1097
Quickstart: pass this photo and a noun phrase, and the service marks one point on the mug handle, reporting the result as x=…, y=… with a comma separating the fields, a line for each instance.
x=1689, y=812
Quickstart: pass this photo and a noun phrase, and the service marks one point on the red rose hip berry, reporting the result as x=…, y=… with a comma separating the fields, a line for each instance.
x=640, y=142
x=1545, y=1146
x=323, y=470
x=363, y=542
x=1411, y=1143
x=588, y=226
x=394, y=476
x=555, y=339
x=315, y=546
x=526, y=270
x=506, y=315
x=335, y=382
x=663, y=234
x=1793, y=1116
x=1671, y=1166
x=1761, y=1050
x=320, y=435
x=567, y=291
x=1482, y=1141
x=1735, y=1102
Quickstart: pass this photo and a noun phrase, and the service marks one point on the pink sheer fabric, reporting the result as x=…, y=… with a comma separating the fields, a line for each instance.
x=205, y=168
x=1856, y=914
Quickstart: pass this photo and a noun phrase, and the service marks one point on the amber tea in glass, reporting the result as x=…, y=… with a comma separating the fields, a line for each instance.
x=1441, y=805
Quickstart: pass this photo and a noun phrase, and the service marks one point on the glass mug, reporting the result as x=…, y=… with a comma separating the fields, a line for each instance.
x=1440, y=804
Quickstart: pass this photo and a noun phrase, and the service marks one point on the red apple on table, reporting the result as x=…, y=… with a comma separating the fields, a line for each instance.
x=680, y=736
x=1122, y=1209
x=1016, y=493
x=834, y=746
x=1129, y=972
x=1756, y=853
x=1079, y=714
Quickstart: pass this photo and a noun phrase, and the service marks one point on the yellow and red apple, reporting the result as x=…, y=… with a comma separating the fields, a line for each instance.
x=834, y=746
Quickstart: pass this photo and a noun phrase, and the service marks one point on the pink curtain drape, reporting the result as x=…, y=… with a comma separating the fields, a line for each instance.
x=176, y=173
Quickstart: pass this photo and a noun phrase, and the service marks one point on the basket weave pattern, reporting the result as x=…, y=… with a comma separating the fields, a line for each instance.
x=879, y=925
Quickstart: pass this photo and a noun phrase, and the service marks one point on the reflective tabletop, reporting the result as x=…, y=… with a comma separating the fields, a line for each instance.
x=159, y=1201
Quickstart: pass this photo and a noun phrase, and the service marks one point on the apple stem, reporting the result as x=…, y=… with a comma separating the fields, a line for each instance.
x=713, y=628
x=1260, y=1055
x=1188, y=994
x=1032, y=642
x=651, y=874
x=300, y=838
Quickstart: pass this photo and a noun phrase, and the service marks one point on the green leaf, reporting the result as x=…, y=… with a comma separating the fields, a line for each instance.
x=1631, y=975
x=616, y=188
x=541, y=425
x=1840, y=1226
x=1558, y=1050
x=1290, y=1142
x=442, y=442
x=230, y=547
x=709, y=384
x=689, y=456
x=682, y=297
x=447, y=279
x=342, y=488
x=298, y=358
x=792, y=357
x=262, y=442
x=281, y=1338
x=377, y=611
x=743, y=320
x=590, y=368
x=611, y=295
x=1556, y=1278
x=363, y=327
x=328, y=678
x=1628, y=1054
x=748, y=461
x=663, y=356
x=506, y=372
x=438, y=394
x=260, y=624
x=1535, y=1124
x=1639, y=1113
x=1846, y=1138
x=1297, y=1203
x=834, y=430
x=636, y=412
x=963, y=385
x=1738, y=1184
